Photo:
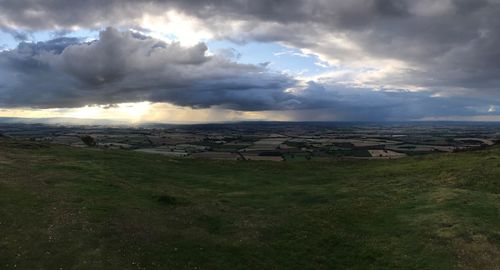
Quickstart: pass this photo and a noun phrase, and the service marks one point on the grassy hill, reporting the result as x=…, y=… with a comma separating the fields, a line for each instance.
x=67, y=208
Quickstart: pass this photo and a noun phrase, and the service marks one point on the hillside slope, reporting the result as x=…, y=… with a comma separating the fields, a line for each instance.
x=67, y=208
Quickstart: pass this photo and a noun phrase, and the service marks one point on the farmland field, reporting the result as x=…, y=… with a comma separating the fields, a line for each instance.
x=69, y=208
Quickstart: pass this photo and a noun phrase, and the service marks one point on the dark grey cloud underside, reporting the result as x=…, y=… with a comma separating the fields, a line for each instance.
x=124, y=67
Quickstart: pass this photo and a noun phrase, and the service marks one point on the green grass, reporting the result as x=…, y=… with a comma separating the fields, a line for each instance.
x=68, y=208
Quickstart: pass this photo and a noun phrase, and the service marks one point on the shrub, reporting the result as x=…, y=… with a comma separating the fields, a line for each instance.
x=88, y=140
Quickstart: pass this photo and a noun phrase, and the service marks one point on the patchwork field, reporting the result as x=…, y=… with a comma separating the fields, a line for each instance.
x=71, y=208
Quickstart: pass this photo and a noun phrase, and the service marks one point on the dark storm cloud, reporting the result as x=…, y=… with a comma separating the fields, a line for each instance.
x=366, y=105
x=126, y=67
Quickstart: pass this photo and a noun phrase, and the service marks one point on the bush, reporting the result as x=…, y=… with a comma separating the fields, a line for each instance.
x=88, y=140
x=167, y=199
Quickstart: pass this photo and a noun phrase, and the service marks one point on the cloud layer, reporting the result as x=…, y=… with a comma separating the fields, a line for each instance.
x=446, y=50
x=128, y=67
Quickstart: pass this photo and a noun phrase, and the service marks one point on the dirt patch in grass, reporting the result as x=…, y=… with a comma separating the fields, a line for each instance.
x=477, y=253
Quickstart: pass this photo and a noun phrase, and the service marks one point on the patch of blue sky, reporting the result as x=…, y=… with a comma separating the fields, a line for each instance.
x=280, y=58
x=7, y=40
x=84, y=34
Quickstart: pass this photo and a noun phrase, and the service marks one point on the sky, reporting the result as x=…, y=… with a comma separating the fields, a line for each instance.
x=284, y=60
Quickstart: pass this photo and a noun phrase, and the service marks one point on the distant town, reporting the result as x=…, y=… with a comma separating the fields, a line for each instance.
x=270, y=141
